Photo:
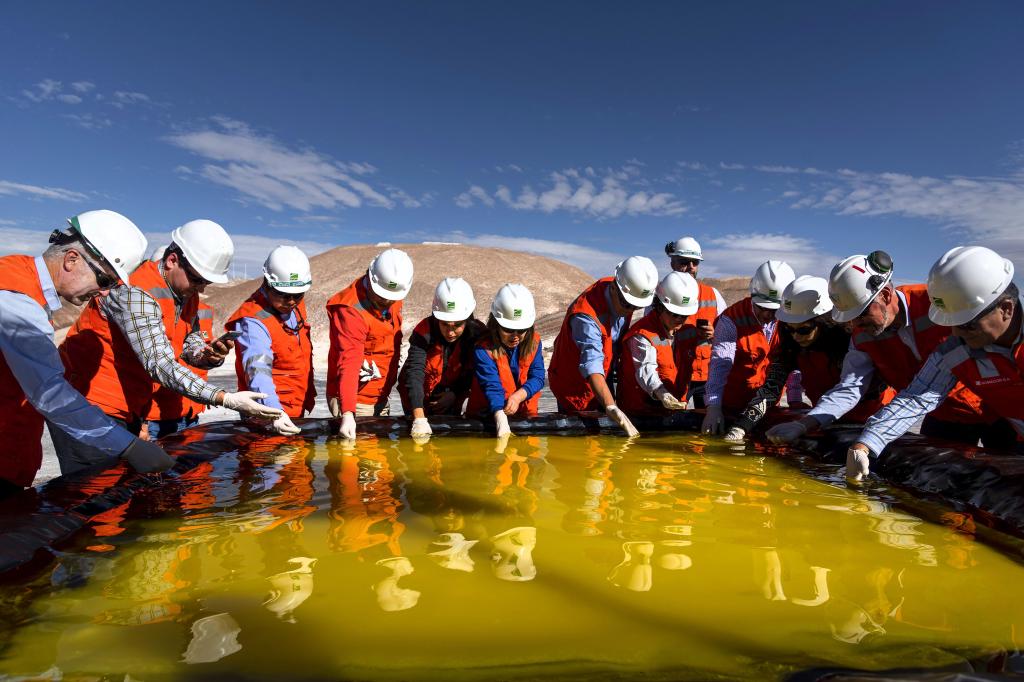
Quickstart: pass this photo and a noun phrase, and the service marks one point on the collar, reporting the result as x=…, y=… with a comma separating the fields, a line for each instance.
x=160, y=267
x=904, y=308
x=1003, y=350
x=53, y=303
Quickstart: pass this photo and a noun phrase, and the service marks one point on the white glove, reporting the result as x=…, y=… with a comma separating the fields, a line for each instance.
x=420, y=427
x=714, y=422
x=857, y=464
x=501, y=422
x=669, y=401
x=245, y=403
x=369, y=371
x=786, y=433
x=334, y=405
x=284, y=426
x=348, y=426
x=620, y=418
x=735, y=435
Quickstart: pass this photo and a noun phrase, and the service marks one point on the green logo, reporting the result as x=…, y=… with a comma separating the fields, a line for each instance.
x=517, y=313
x=686, y=300
x=450, y=305
x=294, y=277
x=645, y=293
x=789, y=305
x=773, y=293
x=392, y=285
x=939, y=303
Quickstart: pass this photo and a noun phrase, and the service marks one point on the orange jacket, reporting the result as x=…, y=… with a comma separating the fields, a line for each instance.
x=699, y=356
x=100, y=362
x=996, y=378
x=293, y=354
x=632, y=398
x=168, y=403
x=569, y=386
x=21, y=427
x=897, y=365
x=478, y=401
x=438, y=373
x=361, y=332
x=750, y=364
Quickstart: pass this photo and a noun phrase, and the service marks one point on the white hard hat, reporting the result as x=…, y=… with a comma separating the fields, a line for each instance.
x=287, y=270
x=637, y=277
x=855, y=282
x=769, y=281
x=158, y=253
x=678, y=292
x=207, y=248
x=804, y=299
x=112, y=237
x=685, y=247
x=391, y=274
x=513, y=307
x=453, y=300
x=965, y=281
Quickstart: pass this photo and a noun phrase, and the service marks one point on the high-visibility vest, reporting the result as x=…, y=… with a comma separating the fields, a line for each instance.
x=897, y=365
x=750, y=363
x=168, y=404
x=478, y=399
x=632, y=398
x=99, y=361
x=699, y=357
x=569, y=386
x=439, y=372
x=293, y=354
x=819, y=373
x=21, y=427
x=381, y=337
x=996, y=378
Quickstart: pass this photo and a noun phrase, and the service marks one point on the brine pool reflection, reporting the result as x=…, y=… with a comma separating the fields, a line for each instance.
x=466, y=558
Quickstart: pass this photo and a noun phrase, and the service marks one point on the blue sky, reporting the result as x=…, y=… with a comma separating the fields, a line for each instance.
x=586, y=131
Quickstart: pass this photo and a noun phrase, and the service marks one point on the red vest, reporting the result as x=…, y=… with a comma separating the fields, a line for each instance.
x=168, y=403
x=379, y=346
x=570, y=388
x=438, y=373
x=478, y=400
x=898, y=365
x=819, y=374
x=699, y=357
x=750, y=364
x=293, y=354
x=631, y=397
x=21, y=427
x=101, y=364
x=996, y=378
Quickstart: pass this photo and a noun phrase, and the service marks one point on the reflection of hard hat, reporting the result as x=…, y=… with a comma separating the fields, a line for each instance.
x=289, y=589
x=634, y=572
x=855, y=282
x=213, y=638
x=637, y=278
x=769, y=281
x=112, y=237
x=287, y=270
x=391, y=274
x=207, y=247
x=805, y=298
x=391, y=597
x=512, y=558
x=678, y=292
x=513, y=307
x=453, y=300
x=964, y=282
x=455, y=554
x=684, y=247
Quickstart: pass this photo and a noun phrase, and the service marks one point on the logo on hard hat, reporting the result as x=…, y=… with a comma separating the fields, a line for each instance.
x=773, y=293
x=517, y=312
x=392, y=285
x=293, y=277
x=789, y=305
x=686, y=299
x=939, y=303
x=450, y=305
x=645, y=293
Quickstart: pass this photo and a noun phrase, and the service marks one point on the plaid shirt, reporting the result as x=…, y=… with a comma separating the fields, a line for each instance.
x=141, y=320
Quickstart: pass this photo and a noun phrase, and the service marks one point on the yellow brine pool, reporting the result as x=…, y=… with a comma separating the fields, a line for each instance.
x=563, y=557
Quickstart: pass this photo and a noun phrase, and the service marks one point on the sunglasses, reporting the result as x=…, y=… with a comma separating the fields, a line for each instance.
x=103, y=280
x=516, y=332
x=685, y=261
x=803, y=329
x=194, y=278
x=976, y=322
x=288, y=297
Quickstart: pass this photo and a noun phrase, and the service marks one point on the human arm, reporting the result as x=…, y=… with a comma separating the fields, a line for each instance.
x=723, y=352
x=534, y=383
x=255, y=349
x=348, y=336
x=489, y=380
x=414, y=372
x=855, y=377
x=767, y=395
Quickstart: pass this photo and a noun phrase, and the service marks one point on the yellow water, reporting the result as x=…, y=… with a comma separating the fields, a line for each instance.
x=564, y=557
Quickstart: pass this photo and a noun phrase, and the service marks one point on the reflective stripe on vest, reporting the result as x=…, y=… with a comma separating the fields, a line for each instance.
x=997, y=378
x=569, y=386
x=631, y=397
x=699, y=357
x=750, y=363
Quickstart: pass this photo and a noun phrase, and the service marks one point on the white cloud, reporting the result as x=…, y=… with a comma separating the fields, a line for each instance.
x=43, y=91
x=15, y=239
x=731, y=166
x=594, y=261
x=777, y=169
x=83, y=86
x=250, y=250
x=740, y=254
x=122, y=99
x=36, y=192
x=274, y=175
x=89, y=121
x=70, y=99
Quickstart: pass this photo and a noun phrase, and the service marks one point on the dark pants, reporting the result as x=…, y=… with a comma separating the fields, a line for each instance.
x=7, y=488
x=74, y=455
x=697, y=393
x=166, y=427
x=997, y=436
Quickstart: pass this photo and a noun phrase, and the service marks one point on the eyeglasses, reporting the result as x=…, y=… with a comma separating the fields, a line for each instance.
x=103, y=280
x=976, y=322
x=680, y=260
x=516, y=332
x=288, y=297
x=802, y=330
x=194, y=278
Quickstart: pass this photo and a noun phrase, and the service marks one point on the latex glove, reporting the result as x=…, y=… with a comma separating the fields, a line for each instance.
x=786, y=433
x=420, y=427
x=857, y=464
x=284, y=426
x=714, y=422
x=334, y=405
x=369, y=371
x=620, y=418
x=669, y=401
x=735, y=435
x=245, y=403
x=501, y=422
x=147, y=457
x=348, y=426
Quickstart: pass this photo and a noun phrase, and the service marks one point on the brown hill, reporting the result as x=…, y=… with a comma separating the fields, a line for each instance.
x=733, y=288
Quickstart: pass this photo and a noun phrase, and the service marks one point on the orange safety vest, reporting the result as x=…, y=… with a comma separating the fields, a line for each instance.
x=569, y=386
x=819, y=374
x=700, y=351
x=631, y=397
x=293, y=354
x=168, y=404
x=750, y=363
x=21, y=427
x=996, y=378
x=99, y=361
x=381, y=338
x=438, y=372
x=478, y=400
x=898, y=365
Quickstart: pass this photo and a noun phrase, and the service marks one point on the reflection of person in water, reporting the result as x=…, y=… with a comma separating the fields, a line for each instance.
x=585, y=484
